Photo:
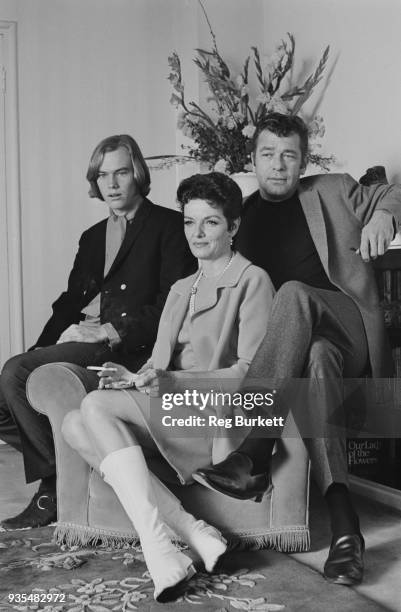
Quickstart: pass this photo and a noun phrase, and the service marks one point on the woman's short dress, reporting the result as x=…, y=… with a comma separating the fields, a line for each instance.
x=184, y=448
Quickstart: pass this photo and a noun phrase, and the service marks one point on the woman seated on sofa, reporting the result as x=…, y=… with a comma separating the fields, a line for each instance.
x=210, y=328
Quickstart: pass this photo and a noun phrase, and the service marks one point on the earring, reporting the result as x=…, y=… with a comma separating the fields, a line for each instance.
x=231, y=241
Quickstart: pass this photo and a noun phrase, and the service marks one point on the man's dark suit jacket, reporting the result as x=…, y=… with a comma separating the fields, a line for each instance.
x=153, y=255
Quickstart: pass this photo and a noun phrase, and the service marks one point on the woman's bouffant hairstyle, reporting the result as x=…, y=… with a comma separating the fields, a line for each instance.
x=283, y=125
x=112, y=143
x=217, y=189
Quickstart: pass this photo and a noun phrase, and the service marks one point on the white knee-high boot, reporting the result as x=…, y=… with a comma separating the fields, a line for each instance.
x=126, y=471
x=202, y=537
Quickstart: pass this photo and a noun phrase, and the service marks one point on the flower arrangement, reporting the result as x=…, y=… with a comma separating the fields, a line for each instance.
x=222, y=134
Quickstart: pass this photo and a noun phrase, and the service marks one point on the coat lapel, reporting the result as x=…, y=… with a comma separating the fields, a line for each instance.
x=177, y=319
x=208, y=299
x=167, y=341
x=167, y=338
x=314, y=216
x=133, y=230
x=205, y=300
x=96, y=254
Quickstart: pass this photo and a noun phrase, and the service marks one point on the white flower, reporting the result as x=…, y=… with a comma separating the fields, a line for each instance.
x=231, y=123
x=183, y=124
x=239, y=80
x=281, y=50
x=238, y=116
x=175, y=100
x=274, y=60
x=221, y=166
x=315, y=147
x=277, y=105
x=316, y=128
x=187, y=130
x=263, y=98
x=181, y=119
x=249, y=130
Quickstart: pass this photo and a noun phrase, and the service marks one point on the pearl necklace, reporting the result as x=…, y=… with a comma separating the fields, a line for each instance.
x=194, y=287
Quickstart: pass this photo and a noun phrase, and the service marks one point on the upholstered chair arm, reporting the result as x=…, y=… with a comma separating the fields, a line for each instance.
x=54, y=389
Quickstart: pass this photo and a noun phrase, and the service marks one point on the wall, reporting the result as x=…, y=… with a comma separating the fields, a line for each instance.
x=362, y=102
x=86, y=70
x=90, y=68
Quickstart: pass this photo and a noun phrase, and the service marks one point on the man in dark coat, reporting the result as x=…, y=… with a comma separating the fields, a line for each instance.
x=116, y=291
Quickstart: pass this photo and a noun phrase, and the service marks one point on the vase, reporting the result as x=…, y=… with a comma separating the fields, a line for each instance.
x=246, y=181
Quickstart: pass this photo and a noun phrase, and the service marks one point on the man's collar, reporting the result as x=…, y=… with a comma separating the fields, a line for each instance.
x=129, y=215
x=257, y=199
x=251, y=199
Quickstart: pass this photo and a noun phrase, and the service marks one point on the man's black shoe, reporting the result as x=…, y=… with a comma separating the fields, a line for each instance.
x=344, y=564
x=41, y=510
x=234, y=478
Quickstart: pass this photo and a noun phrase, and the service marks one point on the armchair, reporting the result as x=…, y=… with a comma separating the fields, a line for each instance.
x=89, y=511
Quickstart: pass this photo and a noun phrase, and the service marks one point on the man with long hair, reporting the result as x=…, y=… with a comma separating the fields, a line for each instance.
x=110, y=310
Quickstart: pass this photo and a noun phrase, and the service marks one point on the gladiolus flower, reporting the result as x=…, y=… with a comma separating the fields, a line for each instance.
x=221, y=166
x=249, y=130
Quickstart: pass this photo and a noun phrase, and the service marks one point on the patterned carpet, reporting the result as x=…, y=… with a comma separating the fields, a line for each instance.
x=37, y=575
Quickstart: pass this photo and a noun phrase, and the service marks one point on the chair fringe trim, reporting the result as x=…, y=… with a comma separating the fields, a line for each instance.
x=283, y=539
x=70, y=534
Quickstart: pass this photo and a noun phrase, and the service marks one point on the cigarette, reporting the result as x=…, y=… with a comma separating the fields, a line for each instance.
x=101, y=369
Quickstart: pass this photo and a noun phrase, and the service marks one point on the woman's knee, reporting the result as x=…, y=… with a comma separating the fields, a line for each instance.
x=95, y=408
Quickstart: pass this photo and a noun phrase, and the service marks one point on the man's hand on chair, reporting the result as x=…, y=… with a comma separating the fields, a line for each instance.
x=376, y=235
x=79, y=333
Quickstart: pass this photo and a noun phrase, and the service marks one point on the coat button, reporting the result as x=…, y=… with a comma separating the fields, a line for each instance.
x=123, y=314
x=123, y=286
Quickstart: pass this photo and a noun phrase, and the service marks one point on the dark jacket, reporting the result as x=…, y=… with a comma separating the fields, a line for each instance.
x=153, y=255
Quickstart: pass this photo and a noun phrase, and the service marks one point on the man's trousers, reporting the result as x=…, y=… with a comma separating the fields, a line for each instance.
x=20, y=425
x=318, y=335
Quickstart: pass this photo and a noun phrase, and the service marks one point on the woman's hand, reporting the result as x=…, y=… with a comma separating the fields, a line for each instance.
x=155, y=382
x=115, y=377
x=146, y=366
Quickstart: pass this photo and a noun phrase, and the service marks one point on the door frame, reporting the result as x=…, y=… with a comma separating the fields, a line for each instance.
x=11, y=292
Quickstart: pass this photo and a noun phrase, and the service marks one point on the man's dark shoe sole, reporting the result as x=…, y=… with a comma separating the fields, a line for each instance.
x=233, y=477
x=256, y=493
